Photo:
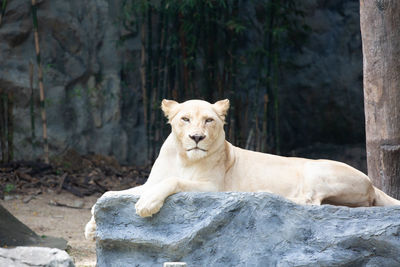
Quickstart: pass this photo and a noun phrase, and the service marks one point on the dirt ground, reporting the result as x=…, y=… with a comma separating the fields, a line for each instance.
x=58, y=221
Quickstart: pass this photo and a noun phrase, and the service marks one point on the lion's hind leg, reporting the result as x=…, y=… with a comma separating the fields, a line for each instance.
x=90, y=228
x=336, y=183
x=338, y=201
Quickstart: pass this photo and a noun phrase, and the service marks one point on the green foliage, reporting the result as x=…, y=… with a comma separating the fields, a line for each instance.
x=77, y=92
x=48, y=102
x=236, y=26
x=9, y=188
x=3, y=7
x=66, y=165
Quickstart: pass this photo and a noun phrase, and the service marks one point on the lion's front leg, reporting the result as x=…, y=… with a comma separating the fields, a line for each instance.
x=153, y=199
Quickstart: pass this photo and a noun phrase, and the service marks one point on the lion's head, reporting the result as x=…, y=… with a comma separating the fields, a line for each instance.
x=197, y=125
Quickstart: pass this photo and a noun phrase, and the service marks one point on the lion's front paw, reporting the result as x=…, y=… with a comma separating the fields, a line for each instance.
x=90, y=230
x=148, y=205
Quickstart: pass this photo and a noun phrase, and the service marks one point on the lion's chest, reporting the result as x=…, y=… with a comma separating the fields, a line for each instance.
x=196, y=171
x=191, y=172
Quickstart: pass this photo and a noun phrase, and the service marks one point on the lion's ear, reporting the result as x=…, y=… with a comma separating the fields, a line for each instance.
x=221, y=107
x=170, y=108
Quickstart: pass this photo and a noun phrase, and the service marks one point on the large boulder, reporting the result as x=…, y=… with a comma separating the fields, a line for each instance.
x=22, y=247
x=245, y=229
x=34, y=257
x=14, y=233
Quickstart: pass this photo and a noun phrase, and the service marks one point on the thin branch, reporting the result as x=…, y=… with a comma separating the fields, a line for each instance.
x=41, y=86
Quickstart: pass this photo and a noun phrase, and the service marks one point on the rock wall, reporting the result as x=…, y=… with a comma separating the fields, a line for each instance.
x=322, y=91
x=245, y=229
x=93, y=109
x=86, y=106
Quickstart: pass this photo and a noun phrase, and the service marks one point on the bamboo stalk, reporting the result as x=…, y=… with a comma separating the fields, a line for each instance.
x=10, y=126
x=173, y=59
x=3, y=126
x=273, y=72
x=170, y=75
x=224, y=81
x=234, y=64
x=193, y=50
x=264, y=124
x=184, y=54
x=144, y=80
x=163, y=71
x=143, y=71
x=41, y=86
x=32, y=110
x=3, y=10
x=268, y=46
x=276, y=102
x=178, y=91
x=244, y=128
x=257, y=135
x=157, y=79
x=233, y=113
x=159, y=46
x=203, y=43
x=212, y=36
x=249, y=138
x=149, y=49
x=150, y=84
x=231, y=132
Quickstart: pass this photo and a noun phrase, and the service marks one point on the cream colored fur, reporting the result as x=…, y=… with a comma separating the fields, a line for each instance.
x=216, y=165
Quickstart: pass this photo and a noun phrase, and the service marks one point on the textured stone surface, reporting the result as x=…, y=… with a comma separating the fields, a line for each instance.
x=245, y=229
x=34, y=257
x=82, y=66
x=92, y=109
x=322, y=93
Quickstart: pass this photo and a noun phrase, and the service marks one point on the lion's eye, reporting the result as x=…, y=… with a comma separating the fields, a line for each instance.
x=209, y=120
x=185, y=119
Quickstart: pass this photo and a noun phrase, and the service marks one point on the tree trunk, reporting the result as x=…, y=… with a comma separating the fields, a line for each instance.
x=380, y=24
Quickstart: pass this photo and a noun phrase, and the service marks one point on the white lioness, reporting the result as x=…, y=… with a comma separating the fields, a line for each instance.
x=196, y=157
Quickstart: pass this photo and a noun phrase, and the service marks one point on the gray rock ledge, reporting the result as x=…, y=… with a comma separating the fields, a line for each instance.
x=34, y=257
x=245, y=229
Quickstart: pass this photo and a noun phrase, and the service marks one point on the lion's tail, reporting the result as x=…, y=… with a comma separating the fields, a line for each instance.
x=381, y=199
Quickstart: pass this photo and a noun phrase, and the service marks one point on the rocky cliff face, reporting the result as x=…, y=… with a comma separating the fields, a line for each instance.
x=81, y=63
x=92, y=108
x=245, y=229
x=322, y=94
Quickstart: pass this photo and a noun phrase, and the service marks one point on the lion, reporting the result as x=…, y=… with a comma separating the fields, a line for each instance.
x=196, y=157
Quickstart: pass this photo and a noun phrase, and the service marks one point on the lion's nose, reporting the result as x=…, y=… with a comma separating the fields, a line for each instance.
x=197, y=137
